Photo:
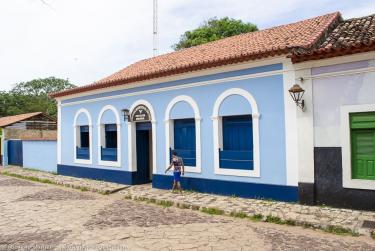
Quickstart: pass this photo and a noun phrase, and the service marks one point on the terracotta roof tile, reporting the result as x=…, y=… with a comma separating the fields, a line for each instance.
x=5, y=121
x=350, y=36
x=249, y=46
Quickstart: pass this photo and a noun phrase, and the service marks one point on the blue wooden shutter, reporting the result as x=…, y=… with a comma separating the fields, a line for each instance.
x=110, y=135
x=184, y=140
x=237, y=152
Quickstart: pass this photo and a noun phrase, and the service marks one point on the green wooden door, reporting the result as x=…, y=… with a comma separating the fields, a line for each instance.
x=363, y=145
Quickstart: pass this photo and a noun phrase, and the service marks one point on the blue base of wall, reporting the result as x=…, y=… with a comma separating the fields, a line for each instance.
x=240, y=189
x=121, y=177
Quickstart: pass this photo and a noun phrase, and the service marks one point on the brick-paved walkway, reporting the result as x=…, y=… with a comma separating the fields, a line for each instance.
x=35, y=216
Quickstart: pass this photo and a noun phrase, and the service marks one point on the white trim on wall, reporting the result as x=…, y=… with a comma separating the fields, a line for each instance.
x=169, y=131
x=347, y=180
x=305, y=131
x=132, y=151
x=59, y=132
x=291, y=146
x=101, y=134
x=216, y=120
x=75, y=129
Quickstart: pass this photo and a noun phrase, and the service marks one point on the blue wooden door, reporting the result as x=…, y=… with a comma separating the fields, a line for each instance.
x=143, y=155
x=15, y=152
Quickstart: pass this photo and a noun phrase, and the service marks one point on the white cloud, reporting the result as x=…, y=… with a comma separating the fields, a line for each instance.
x=85, y=40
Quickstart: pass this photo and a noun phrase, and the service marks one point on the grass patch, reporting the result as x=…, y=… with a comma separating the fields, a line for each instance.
x=183, y=206
x=84, y=189
x=256, y=217
x=239, y=214
x=212, y=211
x=291, y=222
x=340, y=230
x=373, y=234
x=274, y=219
x=164, y=203
x=46, y=181
x=128, y=197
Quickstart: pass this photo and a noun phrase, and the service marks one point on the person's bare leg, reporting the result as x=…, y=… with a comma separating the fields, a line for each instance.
x=175, y=186
x=179, y=187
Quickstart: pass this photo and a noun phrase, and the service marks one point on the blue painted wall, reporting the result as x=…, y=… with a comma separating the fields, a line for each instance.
x=40, y=155
x=267, y=91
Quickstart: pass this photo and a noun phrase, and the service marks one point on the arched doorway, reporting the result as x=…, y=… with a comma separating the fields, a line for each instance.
x=142, y=142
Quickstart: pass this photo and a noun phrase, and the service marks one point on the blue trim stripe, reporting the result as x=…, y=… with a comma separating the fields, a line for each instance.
x=120, y=177
x=229, y=188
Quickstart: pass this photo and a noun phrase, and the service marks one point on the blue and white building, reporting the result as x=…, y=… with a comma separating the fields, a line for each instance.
x=225, y=107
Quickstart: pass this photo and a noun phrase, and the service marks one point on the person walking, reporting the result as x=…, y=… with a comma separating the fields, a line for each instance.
x=178, y=168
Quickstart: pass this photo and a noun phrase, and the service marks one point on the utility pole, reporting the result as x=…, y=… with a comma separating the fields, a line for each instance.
x=155, y=29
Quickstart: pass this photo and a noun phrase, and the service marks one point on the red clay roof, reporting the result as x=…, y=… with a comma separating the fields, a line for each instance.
x=5, y=121
x=249, y=46
x=350, y=36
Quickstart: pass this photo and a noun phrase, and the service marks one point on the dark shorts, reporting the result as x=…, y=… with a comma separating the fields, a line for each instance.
x=177, y=176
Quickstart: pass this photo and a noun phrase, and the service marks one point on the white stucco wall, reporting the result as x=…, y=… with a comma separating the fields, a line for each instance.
x=332, y=89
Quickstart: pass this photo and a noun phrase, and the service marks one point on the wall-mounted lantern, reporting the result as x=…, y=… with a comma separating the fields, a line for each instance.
x=297, y=93
x=125, y=113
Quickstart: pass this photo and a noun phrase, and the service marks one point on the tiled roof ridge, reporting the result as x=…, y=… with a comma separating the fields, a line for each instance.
x=144, y=70
x=326, y=49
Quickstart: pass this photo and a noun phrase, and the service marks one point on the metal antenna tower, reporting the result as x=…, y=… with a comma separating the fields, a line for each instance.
x=155, y=32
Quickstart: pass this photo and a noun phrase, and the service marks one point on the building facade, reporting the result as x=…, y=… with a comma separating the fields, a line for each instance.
x=225, y=107
x=338, y=123
x=243, y=110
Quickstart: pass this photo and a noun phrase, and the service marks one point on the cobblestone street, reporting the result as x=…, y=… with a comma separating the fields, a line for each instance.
x=35, y=216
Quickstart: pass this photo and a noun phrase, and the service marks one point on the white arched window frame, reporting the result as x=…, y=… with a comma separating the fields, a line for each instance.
x=218, y=139
x=101, y=135
x=76, y=131
x=132, y=158
x=169, y=131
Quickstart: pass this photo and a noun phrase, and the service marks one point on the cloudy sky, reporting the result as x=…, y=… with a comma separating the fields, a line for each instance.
x=86, y=40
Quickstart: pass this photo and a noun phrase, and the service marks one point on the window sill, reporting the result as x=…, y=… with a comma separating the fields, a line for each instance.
x=192, y=169
x=83, y=161
x=109, y=163
x=359, y=184
x=236, y=172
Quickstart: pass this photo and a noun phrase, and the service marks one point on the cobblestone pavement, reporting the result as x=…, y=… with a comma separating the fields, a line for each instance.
x=86, y=184
x=320, y=217
x=76, y=220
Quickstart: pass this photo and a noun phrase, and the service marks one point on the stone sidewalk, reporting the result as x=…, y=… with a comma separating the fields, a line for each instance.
x=273, y=211
x=67, y=181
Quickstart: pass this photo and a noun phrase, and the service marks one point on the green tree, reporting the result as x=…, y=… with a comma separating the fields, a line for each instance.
x=32, y=96
x=213, y=29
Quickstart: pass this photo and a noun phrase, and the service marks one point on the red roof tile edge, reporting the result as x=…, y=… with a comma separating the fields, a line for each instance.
x=5, y=121
x=333, y=52
x=190, y=68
